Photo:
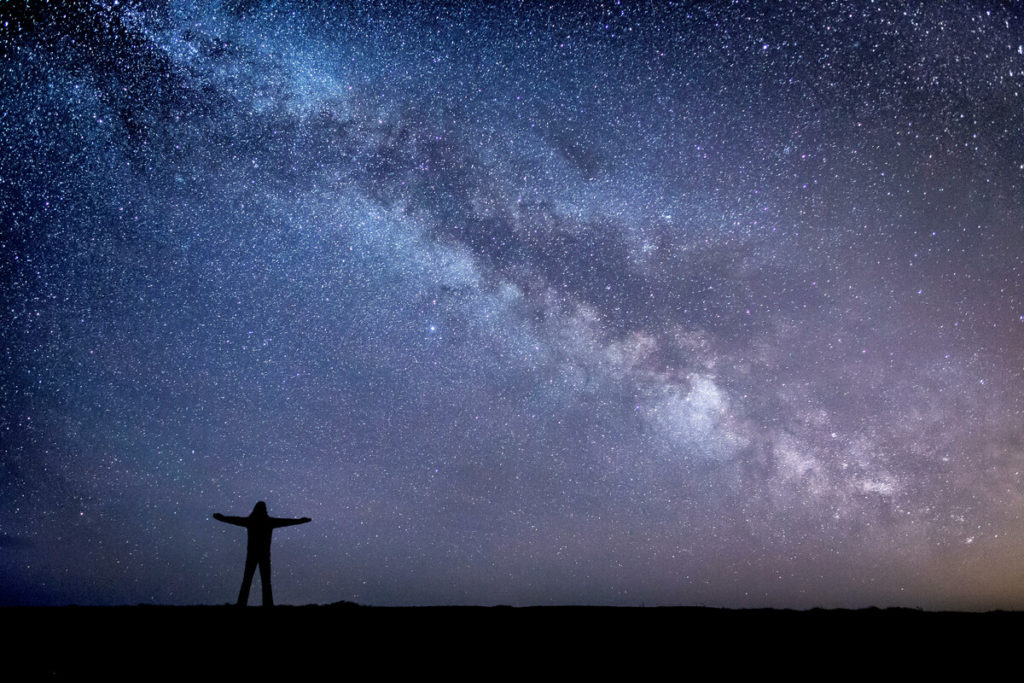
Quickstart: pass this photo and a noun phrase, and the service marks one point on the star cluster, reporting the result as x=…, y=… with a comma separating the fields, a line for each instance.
x=624, y=303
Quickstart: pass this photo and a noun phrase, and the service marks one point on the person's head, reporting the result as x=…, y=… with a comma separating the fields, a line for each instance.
x=259, y=510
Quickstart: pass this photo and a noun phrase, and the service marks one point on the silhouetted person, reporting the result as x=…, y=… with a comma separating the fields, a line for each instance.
x=260, y=526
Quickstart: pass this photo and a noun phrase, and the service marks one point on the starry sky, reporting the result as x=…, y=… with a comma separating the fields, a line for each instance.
x=696, y=303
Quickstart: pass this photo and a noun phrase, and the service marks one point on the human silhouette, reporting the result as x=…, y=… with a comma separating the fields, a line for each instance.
x=260, y=526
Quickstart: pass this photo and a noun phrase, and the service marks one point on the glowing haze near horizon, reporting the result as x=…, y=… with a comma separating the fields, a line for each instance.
x=635, y=303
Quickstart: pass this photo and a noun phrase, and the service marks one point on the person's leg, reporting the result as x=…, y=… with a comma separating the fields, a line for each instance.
x=268, y=594
x=250, y=569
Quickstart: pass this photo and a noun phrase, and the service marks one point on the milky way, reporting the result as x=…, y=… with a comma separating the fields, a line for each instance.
x=715, y=303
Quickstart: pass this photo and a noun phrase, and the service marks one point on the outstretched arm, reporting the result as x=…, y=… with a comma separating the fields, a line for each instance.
x=238, y=521
x=281, y=521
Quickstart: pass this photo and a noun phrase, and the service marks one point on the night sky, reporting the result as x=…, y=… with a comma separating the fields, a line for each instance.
x=699, y=303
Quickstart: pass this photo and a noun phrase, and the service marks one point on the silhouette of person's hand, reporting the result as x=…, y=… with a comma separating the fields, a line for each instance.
x=218, y=516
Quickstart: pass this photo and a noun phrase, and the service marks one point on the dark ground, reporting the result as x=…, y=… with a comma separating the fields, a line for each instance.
x=488, y=643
